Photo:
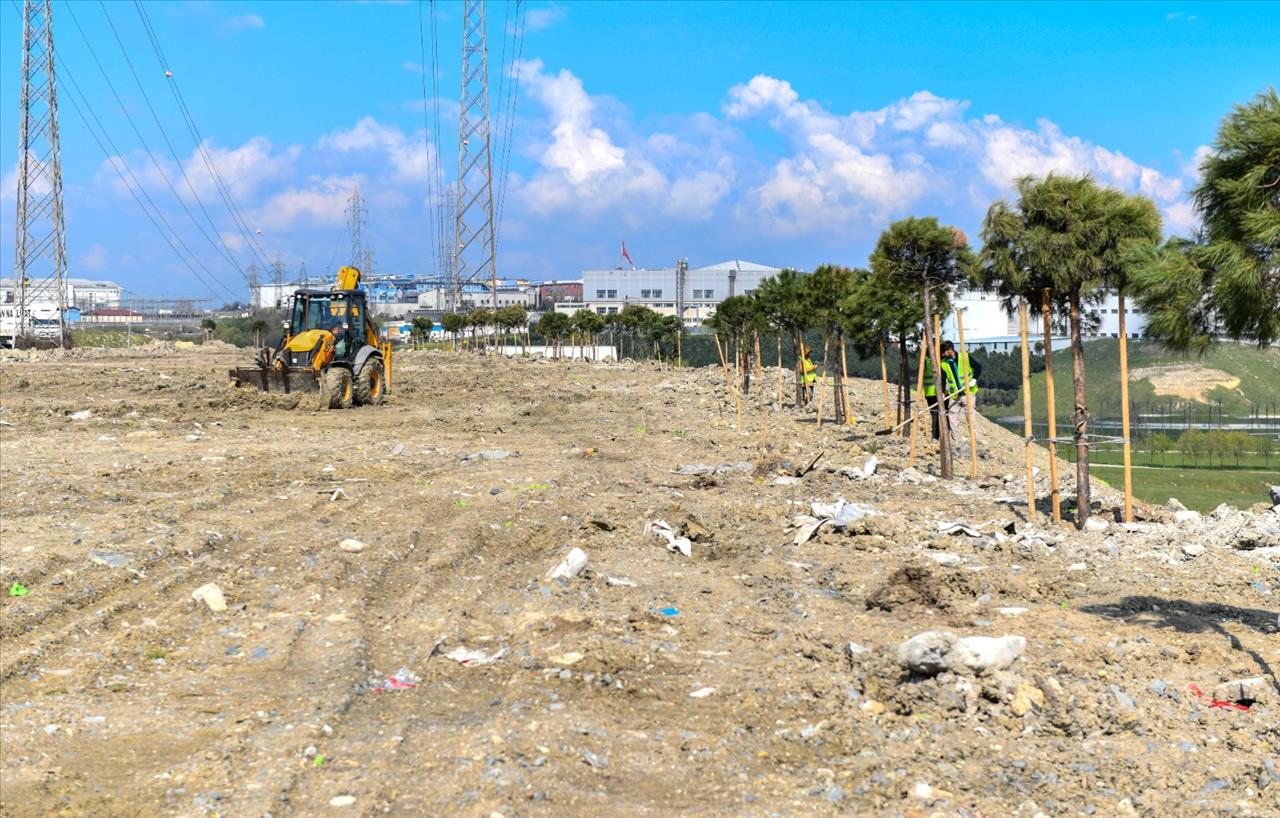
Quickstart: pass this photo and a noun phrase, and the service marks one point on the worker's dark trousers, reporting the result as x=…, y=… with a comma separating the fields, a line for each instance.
x=932, y=400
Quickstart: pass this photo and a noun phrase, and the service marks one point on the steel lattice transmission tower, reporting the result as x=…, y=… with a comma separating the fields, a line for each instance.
x=473, y=225
x=40, y=245
x=357, y=218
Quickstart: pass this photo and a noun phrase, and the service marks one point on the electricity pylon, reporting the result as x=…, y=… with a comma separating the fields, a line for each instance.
x=473, y=245
x=40, y=245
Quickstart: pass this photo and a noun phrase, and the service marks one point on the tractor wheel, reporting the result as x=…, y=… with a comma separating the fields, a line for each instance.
x=337, y=387
x=371, y=387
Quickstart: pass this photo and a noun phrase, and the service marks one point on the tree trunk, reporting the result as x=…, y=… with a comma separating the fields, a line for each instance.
x=797, y=341
x=1081, y=415
x=904, y=388
x=837, y=379
x=939, y=387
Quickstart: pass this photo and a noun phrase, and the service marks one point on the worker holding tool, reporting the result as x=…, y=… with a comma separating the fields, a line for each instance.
x=964, y=372
x=808, y=375
x=951, y=403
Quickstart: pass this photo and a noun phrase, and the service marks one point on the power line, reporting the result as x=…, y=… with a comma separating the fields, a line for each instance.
x=129, y=118
x=426, y=139
x=509, y=121
x=136, y=189
x=224, y=190
x=217, y=245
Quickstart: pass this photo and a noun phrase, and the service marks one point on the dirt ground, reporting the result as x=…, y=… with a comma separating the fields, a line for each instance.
x=1186, y=381
x=755, y=677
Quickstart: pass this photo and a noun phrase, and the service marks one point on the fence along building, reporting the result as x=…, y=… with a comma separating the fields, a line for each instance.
x=608, y=291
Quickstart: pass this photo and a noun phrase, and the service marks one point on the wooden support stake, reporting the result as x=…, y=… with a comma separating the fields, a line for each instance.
x=884, y=379
x=1124, y=413
x=844, y=382
x=1053, y=418
x=822, y=377
x=917, y=403
x=968, y=401
x=723, y=363
x=779, y=373
x=1026, y=408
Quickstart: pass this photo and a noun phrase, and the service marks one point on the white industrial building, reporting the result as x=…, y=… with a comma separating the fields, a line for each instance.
x=987, y=325
x=84, y=293
x=608, y=291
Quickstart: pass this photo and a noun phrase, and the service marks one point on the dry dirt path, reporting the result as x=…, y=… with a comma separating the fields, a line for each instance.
x=121, y=696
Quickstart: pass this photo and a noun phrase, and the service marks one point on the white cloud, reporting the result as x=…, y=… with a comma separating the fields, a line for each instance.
x=1181, y=218
x=539, y=19
x=95, y=260
x=243, y=170
x=411, y=159
x=323, y=203
x=860, y=169
x=243, y=22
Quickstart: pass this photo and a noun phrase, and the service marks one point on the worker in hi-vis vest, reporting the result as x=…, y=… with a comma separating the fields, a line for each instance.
x=957, y=370
x=808, y=375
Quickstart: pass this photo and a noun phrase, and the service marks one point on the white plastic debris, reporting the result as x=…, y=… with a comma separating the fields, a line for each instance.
x=83, y=414
x=958, y=527
x=210, y=594
x=470, y=656
x=839, y=515
x=570, y=566
x=620, y=582
x=702, y=692
x=674, y=543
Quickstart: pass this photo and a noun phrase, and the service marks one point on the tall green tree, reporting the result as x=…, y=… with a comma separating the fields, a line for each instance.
x=454, y=324
x=587, y=323
x=1227, y=278
x=923, y=255
x=829, y=289
x=784, y=302
x=736, y=320
x=1076, y=236
x=553, y=327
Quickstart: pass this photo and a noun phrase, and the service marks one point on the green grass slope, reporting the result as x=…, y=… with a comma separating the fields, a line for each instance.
x=1257, y=369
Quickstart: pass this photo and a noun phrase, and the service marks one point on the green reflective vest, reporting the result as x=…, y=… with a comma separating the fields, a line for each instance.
x=809, y=376
x=949, y=369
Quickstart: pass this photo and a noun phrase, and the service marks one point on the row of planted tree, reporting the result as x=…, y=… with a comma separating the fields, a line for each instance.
x=1063, y=242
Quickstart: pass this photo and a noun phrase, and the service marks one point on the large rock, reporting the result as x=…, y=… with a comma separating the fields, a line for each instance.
x=1275, y=495
x=932, y=652
x=980, y=655
x=926, y=653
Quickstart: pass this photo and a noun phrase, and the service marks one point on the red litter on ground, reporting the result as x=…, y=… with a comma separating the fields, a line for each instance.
x=403, y=680
x=1217, y=703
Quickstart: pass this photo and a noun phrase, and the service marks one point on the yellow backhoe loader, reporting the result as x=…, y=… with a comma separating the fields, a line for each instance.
x=330, y=346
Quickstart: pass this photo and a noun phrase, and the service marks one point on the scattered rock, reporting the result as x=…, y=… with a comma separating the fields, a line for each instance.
x=211, y=595
x=109, y=558
x=855, y=649
x=1096, y=524
x=984, y=654
x=569, y=567
x=1186, y=516
x=593, y=759
x=1175, y=504
x=351, y=546
x=83, y=414
x=1025, y=698
x=926, y=653
x=489, y=454
x=342, y=800
x=1254, y=690
x=702, y=692
x=787, y=480
x=1192, y=549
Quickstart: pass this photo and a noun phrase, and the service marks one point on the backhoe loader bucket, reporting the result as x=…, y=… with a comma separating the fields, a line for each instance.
x=277, y=380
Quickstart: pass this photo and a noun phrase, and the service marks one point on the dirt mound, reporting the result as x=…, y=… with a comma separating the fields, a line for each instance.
x=1186, y=381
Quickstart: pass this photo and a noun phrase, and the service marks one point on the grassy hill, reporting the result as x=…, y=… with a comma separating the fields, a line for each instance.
x=1257, y=370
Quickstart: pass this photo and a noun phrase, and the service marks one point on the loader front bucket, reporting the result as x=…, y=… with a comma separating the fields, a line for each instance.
x=277, y=380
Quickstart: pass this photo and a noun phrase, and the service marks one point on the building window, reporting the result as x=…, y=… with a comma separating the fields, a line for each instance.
x=645, y=293
x=710, y=294
x=697, y=293
x=613, y=293
x=613, y=311
x=600, y=310
x=657, y=293
x=599, y=293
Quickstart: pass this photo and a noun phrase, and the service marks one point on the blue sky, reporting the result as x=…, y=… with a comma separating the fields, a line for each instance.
x=788, y=134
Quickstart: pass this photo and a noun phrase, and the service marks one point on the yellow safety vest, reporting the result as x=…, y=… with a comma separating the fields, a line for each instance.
x=806, y=367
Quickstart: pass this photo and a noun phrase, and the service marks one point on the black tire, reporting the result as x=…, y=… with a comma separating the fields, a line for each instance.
x=338, y=388
x=371, y=383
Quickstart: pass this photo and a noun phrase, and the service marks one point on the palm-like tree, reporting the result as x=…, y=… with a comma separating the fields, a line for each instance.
x=923, y=255
x=1075, y=236
x=208, y=325
x=829, y=288
x=1227, y=278
x=784, y=303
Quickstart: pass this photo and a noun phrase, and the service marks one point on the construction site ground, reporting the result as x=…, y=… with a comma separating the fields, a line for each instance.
x=755, y=677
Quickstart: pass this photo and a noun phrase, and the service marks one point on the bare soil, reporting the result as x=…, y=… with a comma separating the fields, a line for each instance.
x=652, y=684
